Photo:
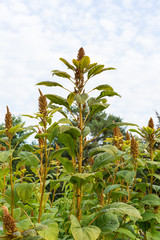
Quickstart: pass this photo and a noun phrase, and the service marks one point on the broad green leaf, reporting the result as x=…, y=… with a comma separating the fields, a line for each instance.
x=84, y=62
x=73, y=131
x=146, y=216
x=126, y=232
x=76, y=63
x=51, y=231
x=70, y=98
x=153, y=235
x=16, y=213
x=58, y=153
x=151, y=199
x=130, y=176
x=122, y=208
x=67, y=64
x=102, y=159
x=78, y=98
x=24, y=191
x=97, y=107
x=57, y=100
x=107, y=93
x=111, y=188
x=53, y=133
x=41, y=135
x=8, y=195
x=107, y=222
x=86, y=233
x=24, y=224
x=61, y=74
x=65, y=120
x=95, y=70
x=50, y=84
x=90, y=66
x=82, y=178
x=68, y=142
x=84, y=97
x=104, y=87
x=4, y=155
x=38, y=237
x=86, y=131
x=15, y=129
x=29, y=158
x=67, y=164
x=106, y=148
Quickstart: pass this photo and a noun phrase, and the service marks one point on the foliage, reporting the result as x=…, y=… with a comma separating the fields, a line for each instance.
x=109, y=190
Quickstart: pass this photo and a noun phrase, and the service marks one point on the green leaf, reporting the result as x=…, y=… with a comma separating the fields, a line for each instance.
x=51, y=231
x=16, y=213
x=122, y=208
x=106, y=148
x=23, y=224
x=85, y=61
x=104, y=87
x=102, y=159
x=126, y=232
x=68, y=142
x=90, y=66
x=53, y=132
x=153, y=235
x=67, y=164
x=77, y=98
x=107, y=93
x=73, y=131
x=76, y=63
x=82, y=178
x=29, y=158
x=85, y=233
x=107, y=222
x=57, y=100
x=70, y=98
x=65, y=121
x=151, y=199
x=86, y=131
x=4, y=155
x=50, y=84
x=61, y=74
x=130, y=176
x=111, y=188
x=8, y=195
x=97, y=107
x=84, y=97
x=67, y=64
x=95, y=70
x=24, y=191
x=16, y=129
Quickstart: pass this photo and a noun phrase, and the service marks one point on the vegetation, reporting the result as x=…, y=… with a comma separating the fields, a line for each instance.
x=63, y=191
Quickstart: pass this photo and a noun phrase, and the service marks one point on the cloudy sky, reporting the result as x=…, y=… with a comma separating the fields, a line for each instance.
x=124, y=34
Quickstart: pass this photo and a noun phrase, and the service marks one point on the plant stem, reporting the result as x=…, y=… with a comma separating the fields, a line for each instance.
x=11, y=180
x=44, y=181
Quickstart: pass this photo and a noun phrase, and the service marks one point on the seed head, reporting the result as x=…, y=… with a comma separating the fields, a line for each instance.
x=118, y=138
x=127, y=136
x=8, y=123
x=134, y=148
x=150, y=123
x=8, y=221
x=81, y=54
x=42, y=102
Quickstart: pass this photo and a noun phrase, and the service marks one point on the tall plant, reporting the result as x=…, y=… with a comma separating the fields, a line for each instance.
x=75, y=138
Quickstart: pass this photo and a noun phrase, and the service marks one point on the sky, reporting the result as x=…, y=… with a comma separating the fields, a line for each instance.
x=124, y=34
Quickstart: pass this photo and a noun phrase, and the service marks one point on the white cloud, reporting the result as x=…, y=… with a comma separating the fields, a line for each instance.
x=34, y=34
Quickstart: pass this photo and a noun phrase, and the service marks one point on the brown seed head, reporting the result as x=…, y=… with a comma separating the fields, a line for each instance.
x=150, y=123
x=8, y=221
x=134, y=148
x=118, y=138
x=42, y=103
x=2, y=148
x=8, y=123
x=81, y=54
x=127, y=136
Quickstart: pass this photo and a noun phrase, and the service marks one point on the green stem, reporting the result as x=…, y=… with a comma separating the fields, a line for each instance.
x=44, y=181
x=11, y=180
